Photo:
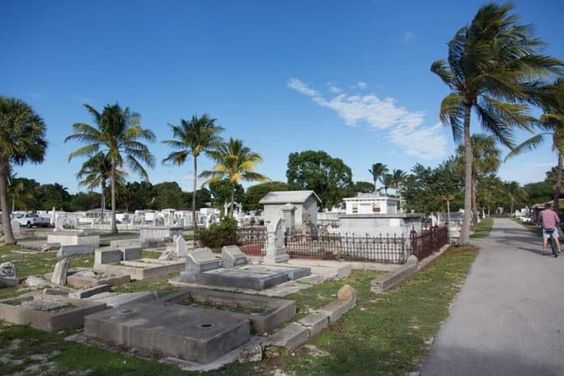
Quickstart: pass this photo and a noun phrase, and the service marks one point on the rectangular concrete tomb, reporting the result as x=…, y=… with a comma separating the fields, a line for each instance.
x=232, y=256
x=73, y=238
x=190, y=333
x=75, y=250
x=81, y=278
x=141, y=269
x=47, y=312
x=255, y=279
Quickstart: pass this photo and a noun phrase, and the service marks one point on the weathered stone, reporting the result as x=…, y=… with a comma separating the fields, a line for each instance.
x=346, y=294
x=315, y=322
x=168, y=254
x=275, y=249
x=8, y=274
x=131, y=253
x=35, y=282
x=50, y=247
x=393, y=278
x=160, y=233
x=336, y=309
x=60, y=272
x=15, y=228
x=232, y=256
x=85, y=293
x=125, y=243
x=73, y=238
x=251, y=354
x=200, y=260
x=108, y=256
x=290, y=337
x=115, y=300
x=75, y=250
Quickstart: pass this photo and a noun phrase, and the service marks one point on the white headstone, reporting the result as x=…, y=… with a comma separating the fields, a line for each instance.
x=275, y=249
x=180, y=246
x=15, y=227
x=60, y=273
x=8, y=274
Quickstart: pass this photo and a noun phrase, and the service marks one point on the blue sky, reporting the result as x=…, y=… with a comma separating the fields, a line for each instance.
x=348, y=77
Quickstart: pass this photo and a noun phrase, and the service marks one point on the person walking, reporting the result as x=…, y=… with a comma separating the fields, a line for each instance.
x=549, y=221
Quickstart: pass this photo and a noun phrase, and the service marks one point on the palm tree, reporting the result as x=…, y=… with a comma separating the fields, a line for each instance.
x=118, y=134
x=236, y=162
x=492, y=65
x=18, y=193
x=551, y=98
x=486, y=161
x=387, y=181
x=398, y=177
x=377, y=171
x=192, y=138
x=515, y=192
x=22, y=139
x=95, y=172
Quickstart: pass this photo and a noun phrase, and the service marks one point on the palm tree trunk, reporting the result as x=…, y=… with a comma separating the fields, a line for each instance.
x=194, y=194
x=465, y=232
x=9, y=238
x=114, y=229
x=558, y=185
x=232, y=209
x=375, y=185
x=474, y=199
x=103, y=199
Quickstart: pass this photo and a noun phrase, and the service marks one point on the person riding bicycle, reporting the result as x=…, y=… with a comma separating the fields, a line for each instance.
x=549, y=221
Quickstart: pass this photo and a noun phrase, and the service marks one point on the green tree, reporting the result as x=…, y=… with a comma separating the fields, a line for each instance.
x=168, y=195
x=18, y=194
x=236, y=162
x=192, y=138
x=95, y=172
x=119, y=135
x=362, y=187
x=256, y=192
x=328, y=177
x=492, y=64
x=222, y=190
x=551, y=98
x=22, y=139
x=54, y=195
x=378, y=170
x=387, y=182
x=398, y=178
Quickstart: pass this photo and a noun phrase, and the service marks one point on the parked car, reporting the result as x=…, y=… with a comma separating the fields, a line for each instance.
x=30, y=220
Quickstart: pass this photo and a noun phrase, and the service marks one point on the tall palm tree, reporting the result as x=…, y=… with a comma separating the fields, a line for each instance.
x=398, y=177
x=551, y=98
x=492, y=64
x=387, y=182
x=95, y=172
x=378, y=170
x=236, y=162
x=515, y=192
x=18, y=193
x=192, y=138
x=119, y=135
x=22, y=139
x=486, y=160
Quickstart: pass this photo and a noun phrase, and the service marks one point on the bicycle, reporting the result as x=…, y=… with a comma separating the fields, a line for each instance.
x=553, y=245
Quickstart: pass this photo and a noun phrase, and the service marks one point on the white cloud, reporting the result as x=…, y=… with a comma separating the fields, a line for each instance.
x=408, y=36
x=334, y=88
x=361, y=84
x=404, y=128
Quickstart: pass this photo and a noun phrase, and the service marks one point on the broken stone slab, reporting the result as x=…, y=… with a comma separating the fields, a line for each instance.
x=290, y=337
x=35, y=282
x=336, y=309
x=50, y=247
x=131, y=253
x=75, y=250
x=115, y=300
x=393, y=278
x=60, y=272
x=108, y=256
x=8, y=274
x=251, y=354
x=168, y=254
x=116, y=244
x=232, y=256
x=315, y=322
x=85, y=293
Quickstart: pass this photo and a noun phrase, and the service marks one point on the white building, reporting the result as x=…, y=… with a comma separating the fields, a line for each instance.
x=371, y=203
x=306, y=202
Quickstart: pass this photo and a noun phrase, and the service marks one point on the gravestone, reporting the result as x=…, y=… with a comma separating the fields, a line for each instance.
x=289, y=216
x=232, y=256
x=197, y=261
x=180, y=246
x=275, y=249
x=168, y=255
x=15, y=228
x=131, y=252
x=8, y=274
x=75, y=250
x=60, y=273
x=109, y=256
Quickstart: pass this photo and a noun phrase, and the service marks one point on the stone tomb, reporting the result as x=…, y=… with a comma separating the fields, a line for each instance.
x=73, y=238
x=198, y=261
x=150, y=235
x=232, y=256
x=80, y=278
x=112, y=262
x=190, y=333
x=47, y=312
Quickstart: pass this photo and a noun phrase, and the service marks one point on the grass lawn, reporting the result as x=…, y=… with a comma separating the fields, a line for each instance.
x=482, y=229
x=385, y=334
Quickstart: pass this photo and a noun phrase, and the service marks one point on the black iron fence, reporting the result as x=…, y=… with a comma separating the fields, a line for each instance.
x=347, y=247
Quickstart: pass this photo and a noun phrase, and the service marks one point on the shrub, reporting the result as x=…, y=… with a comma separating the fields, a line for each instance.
x=219, y=234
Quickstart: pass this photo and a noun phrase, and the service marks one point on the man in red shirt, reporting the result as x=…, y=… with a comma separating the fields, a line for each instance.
x=549, y=221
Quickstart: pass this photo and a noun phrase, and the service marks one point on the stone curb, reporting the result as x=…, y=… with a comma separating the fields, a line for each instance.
x=395, y=277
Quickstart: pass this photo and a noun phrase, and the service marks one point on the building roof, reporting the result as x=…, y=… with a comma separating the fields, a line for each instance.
x=285, y=197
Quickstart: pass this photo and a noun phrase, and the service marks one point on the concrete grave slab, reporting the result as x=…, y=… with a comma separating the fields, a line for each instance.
x=232, y=256
x=189, y=333
x=314, y=322
x=131, y=252
x=141, y=269
x=90, y=291
x=73, y=238
x=75, y=250
x=80, y=278
x=107, y=256
x=47, y=312
x=255, y=279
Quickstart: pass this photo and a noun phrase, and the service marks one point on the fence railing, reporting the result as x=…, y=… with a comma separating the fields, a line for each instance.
x=382, y=249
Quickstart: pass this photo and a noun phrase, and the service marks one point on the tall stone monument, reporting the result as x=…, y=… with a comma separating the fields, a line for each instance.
x=275, y=249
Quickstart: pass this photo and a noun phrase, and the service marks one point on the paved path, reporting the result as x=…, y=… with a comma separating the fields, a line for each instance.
x=509, y=316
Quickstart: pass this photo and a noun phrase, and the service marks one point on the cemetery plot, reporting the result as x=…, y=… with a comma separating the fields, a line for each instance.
x=141, y=268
